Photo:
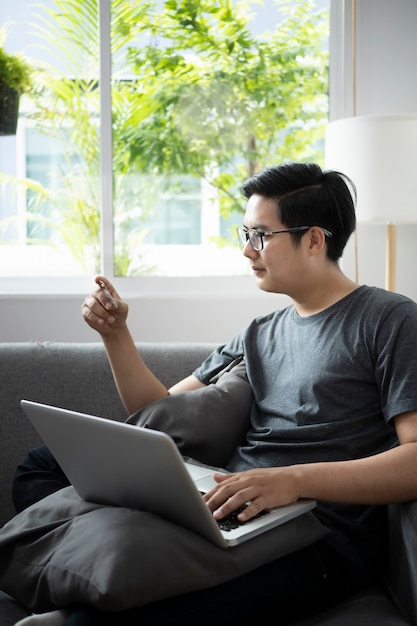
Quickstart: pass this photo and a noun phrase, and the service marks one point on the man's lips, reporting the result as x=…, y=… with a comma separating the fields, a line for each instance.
x=257, y=270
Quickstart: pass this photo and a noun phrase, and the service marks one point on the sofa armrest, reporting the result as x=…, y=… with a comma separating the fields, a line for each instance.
x=402, y=581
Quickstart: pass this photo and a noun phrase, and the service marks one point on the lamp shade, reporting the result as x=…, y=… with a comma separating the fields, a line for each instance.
x=379, y=154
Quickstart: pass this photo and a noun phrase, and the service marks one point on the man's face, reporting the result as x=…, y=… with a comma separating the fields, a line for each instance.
x=280, y=266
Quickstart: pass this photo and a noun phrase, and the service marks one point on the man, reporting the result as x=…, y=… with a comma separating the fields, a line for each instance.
x=335, y=403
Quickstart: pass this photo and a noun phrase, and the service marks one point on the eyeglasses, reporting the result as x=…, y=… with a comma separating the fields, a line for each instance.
x=256, y=237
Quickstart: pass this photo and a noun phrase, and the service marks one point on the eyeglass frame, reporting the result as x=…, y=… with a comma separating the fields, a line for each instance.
x=244, y=236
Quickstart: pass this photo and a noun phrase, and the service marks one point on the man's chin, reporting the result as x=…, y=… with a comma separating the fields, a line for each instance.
x=265, y=285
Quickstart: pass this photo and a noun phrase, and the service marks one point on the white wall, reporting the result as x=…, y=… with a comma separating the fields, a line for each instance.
x=170, y=318
x=386, y=58
x=380, y=82
x=385, y=83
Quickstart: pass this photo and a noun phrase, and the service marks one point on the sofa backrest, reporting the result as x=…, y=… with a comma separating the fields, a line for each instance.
x=75, y=376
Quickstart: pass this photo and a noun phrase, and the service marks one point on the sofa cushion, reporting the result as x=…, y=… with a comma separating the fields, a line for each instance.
x=368, y=608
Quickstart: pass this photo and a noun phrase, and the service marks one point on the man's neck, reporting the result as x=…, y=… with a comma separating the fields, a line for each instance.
x=324, y=294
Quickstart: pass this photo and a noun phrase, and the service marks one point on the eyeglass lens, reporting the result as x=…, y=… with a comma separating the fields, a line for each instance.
x=251, y=235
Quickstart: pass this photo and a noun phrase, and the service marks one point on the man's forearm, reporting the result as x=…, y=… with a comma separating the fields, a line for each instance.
x=381, y=479
x=136, y=384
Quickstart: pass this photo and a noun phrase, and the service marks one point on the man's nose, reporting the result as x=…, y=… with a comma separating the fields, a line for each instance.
x=248, y=251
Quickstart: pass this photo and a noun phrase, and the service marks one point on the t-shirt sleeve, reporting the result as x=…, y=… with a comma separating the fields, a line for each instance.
x=222, y=357
x=396, y=364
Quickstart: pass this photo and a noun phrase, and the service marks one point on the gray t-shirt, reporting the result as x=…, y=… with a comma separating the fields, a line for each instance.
x=326, y=387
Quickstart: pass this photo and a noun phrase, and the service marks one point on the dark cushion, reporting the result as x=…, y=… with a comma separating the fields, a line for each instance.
x=206, y=424
x=64, y=550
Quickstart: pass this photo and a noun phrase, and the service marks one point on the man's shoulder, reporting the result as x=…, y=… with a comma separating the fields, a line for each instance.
x=380, y=296
x=378, y=306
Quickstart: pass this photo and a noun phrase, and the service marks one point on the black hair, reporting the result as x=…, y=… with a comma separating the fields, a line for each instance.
x=308, y=196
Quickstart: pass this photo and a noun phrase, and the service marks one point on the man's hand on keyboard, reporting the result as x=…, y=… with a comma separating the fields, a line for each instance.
x=259, y=489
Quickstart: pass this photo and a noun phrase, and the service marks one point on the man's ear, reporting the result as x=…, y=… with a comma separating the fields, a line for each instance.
x=317, y=239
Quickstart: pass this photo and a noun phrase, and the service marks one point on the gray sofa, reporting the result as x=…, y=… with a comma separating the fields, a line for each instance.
x=78, y=377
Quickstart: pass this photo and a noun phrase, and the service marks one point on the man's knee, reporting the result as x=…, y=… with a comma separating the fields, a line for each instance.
x=35, y=477
x=38, y=459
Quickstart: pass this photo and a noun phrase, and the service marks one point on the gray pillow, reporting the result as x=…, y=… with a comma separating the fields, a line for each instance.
x=63, y=551
x=206, y=424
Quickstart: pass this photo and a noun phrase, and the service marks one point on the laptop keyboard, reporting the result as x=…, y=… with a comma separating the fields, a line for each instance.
x=230, y=522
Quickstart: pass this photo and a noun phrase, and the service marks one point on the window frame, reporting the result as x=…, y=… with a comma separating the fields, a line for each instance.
x=178, y=286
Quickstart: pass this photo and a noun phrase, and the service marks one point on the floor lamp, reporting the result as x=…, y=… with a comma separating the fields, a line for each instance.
x=379, y=153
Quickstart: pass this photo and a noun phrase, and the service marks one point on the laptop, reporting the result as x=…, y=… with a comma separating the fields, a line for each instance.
x=118, y=464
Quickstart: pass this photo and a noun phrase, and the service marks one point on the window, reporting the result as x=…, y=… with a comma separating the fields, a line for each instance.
x=199, y=94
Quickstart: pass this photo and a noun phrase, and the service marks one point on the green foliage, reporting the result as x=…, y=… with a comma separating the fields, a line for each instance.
x=15, y=70
x=194, y=92
x=222, y=102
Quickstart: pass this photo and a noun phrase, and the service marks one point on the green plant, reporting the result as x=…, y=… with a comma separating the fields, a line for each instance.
x=15, y=70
